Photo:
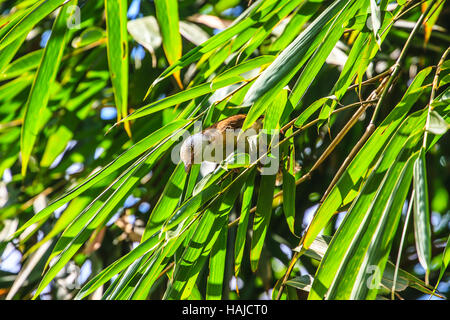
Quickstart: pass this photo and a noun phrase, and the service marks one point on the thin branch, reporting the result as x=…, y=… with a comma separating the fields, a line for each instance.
x=369, y=130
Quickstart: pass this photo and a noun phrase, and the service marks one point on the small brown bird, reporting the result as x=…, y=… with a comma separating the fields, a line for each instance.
x=217, y=142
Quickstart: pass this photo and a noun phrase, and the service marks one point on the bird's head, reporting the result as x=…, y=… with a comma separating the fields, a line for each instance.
x=192, y=149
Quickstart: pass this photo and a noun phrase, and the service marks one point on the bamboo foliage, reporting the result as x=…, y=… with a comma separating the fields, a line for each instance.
x=357, y=90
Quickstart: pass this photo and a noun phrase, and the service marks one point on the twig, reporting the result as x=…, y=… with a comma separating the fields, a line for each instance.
x=170, y=266
x=369, y=130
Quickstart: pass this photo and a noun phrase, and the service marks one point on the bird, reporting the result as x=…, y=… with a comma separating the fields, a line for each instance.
x=217, y=142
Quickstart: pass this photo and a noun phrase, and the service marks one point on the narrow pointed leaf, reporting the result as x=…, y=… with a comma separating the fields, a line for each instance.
x=117, y=45
x=40, y=91
x=261, y=219
x=167, y=15
x=35, y=14
x=216, y=276
x=422, y=227
x=241, y=234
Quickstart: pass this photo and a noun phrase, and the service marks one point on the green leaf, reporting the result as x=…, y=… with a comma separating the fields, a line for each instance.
x=244, y=67
x=241, y=234
x=72, y=211
x=183, y=96
x=306, y=114
x=117, y=266
x=168, y=201
x=361, y=54
x=23, y=64
x=301, y=282
x=122, y=288
x=97, y=214
x=167, y=15
x=117, y=46
x=7, y=54
x=304, y=12
x=422, y=227
x=334, y=33
x=290, y=60
x=261, y=219
x=45, y=76
x=34, y=14
x=267, y=28
x=289, y=184
x=375, y=18
x=274, y=112
x=229, y=77
x=278, y=74
x=404, y=279
x=214, y=285
x=88, y=37
x=444, y=264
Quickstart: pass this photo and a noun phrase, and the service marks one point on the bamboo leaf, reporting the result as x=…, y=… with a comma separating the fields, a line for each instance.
x=335, y=31
x=117, y=46
x=289, y=184
x=295, y=24
x=290, y=60
x=167, y=202
x=97, y=215
x=261, y=219
x=363, y=50
x=422, y=228
x=217, y=266
x=7, y=54
x=375, y=18
x=183, y=96
x=89, y=36
x=302, y=282
x=444, y=263
x=45, y=76
x=241, y=233
x=167, y=15
x=23, y=64
x=320, y=245
x=34, y=14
